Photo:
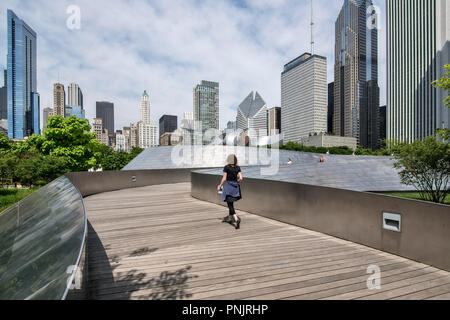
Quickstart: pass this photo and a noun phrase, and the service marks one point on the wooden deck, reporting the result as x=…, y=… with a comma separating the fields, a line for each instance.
x=159, y=243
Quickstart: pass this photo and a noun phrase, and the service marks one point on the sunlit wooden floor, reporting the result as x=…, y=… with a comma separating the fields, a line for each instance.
x=159, y=243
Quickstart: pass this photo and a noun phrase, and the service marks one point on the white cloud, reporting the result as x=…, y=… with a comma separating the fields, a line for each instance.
x=166, y=47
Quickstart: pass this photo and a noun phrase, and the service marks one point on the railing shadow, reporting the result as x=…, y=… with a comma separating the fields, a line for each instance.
x=168, y=285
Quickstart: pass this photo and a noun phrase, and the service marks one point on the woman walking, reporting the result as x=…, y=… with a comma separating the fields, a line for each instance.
x=231, y=192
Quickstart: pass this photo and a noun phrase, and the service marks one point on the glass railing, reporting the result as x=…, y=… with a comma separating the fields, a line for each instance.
x=41, y=241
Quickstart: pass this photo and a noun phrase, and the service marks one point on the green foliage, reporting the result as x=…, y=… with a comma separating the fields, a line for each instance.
x=117, y=160
x=444, y=83
x=413, y=195
x=69, y=138
x=31, y=168
x=66, y=146
x=293, y=146
x=5, y=143
x=10, y=196
x=426, y=166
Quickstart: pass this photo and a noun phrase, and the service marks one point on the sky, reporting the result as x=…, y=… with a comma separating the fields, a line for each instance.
x=167, y=47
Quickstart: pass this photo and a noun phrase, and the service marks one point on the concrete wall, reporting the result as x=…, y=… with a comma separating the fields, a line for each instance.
x=90, y=183
x=350, y=215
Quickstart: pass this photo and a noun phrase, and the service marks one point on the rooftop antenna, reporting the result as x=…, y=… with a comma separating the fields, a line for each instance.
x=312, y=28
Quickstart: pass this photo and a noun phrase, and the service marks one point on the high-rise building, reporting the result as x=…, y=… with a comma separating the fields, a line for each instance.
x=148, y=135
x=145, y=108
x=74, y=95
x=304, y=97
x=76, y=111
x=23, y=99
x=206, y=105
x=356, y=63
x=330, y=107
x=382, y=125
x=147, y=132
x=370, y=120
x=100, y=132
x=418, y=47
x=126, y=132
x=105, y=111
x=187, y=128
x=134, y=136
x=121, y=141
x=47, y=113
x=252, y=115
x=4, y=127
x=59, y=100
x=273, y=121
x=167, y=123
x=231, y=125
x=4, y=98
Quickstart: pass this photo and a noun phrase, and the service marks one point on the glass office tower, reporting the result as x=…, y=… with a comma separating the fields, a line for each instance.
x=23, y=99
x=206, y=104
x=356, y=73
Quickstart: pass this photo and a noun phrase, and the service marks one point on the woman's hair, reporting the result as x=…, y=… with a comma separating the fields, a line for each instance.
x=232, y=160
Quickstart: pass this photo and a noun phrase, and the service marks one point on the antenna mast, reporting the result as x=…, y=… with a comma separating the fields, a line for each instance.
x=312, y=28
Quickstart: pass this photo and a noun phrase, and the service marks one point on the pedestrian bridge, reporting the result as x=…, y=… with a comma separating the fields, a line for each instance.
x=158, y=242
x=157, y=234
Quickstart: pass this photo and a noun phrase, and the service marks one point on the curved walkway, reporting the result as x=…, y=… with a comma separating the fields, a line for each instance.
x=158, y=242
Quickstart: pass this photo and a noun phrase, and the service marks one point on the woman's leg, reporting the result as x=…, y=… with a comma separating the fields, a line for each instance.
x=231, y=208
x=232, y=211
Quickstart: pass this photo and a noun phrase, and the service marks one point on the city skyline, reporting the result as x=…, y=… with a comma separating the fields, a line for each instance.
x=155, y=64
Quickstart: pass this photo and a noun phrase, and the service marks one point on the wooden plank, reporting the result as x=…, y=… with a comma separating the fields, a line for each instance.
x=158, y=242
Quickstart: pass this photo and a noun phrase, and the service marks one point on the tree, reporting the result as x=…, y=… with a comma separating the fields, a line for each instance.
x=444, y=83
x=7, y=167
x=111, y=160
x=69, y=138
x=426, y=166
x=115, y=161
x=5, y=144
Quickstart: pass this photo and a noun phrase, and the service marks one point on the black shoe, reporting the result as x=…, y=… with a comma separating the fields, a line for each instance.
x=238, y=223
x=227, y=219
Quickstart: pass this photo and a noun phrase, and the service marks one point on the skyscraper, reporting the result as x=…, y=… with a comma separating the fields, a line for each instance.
x=4, y=98
x=47, y=113
x=145, y=108
x=206, y=105
x=76, y=111
x=147, y=132
x=105, y=111
x=330, y=107
x=273, y=121
x=167, y=124
x=356, y=63
x=23, y=99
x=74, y=95
x=382, y=125
x=187, y=128
x=59, y=100
x=418, y=47
x=252, y=115
x=304, y=97
x=231, y=125
x=100, y=131
x=370, y=120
